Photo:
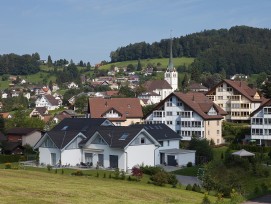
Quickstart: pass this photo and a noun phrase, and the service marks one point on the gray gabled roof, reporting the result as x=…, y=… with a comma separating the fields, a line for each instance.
x=112, y=135
x=160, y=131
x=78, y=124
x=62, y=138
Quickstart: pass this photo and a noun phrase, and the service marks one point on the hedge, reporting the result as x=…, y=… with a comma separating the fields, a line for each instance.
x=250, y=148
x=9, y=158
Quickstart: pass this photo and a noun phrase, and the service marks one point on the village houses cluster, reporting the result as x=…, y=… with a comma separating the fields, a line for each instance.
x=115, y=134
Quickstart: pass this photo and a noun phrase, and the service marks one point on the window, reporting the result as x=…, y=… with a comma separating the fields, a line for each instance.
x=118, y=123
x=220, y=88
x=168, y=143
x=161, y=143
x=177, y=122
x=219, y=97
x=169, y=113
x=217, y=132
x=208, y=132
x=169, y=122
x=217, y=122
x=217, y=141
x=142, y=140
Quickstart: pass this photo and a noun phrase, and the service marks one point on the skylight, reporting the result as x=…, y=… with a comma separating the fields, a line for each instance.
x=124, y=136
x=65, y=127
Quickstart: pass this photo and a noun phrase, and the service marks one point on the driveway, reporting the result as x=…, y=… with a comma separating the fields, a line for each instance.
x=185, y=180
x=260, y=200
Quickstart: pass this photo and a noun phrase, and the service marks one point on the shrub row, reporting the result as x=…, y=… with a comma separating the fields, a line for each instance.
x=250, y=148
x=9, y=158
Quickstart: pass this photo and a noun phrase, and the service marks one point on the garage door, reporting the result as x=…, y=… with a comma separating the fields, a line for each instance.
x=171, y=160
x=113, y=159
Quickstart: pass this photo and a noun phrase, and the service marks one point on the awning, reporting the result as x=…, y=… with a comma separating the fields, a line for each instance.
x=177, y=151
x=243, y=153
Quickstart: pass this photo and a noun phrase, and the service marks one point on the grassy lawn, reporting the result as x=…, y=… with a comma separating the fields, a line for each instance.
x=163, y=61
x=26, y=186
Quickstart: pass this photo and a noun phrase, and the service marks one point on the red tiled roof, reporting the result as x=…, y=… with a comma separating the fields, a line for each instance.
x=198, y=102
x=241, y=87
x=156, y=84
x=127, y=107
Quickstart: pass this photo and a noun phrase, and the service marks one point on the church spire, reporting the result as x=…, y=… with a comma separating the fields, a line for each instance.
x=170, y=61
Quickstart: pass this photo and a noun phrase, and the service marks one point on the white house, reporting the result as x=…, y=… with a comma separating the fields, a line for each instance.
x=111, y=146
x=72, y=85
x=261, y=124
x=48, y=101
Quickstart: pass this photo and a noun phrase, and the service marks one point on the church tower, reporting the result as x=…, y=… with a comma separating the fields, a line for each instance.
x=171, y=75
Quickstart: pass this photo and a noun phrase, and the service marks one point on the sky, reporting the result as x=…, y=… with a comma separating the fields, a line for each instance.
x=89, y=30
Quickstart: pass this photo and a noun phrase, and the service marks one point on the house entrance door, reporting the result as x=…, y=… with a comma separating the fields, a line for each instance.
x=53, y=159
x=101, y=159
x=113, y=160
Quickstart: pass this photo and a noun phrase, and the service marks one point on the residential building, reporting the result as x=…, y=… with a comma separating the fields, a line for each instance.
x=24, y=136
x=48, y=101
x=261, y=124
x=95, y=142
x=72, y=85
x=196, y=87
x=120, y=111
x=41, y=113
x=236, y=98
x=189, y=114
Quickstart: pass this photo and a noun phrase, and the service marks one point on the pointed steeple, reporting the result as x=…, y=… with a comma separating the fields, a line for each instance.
x=170, y=61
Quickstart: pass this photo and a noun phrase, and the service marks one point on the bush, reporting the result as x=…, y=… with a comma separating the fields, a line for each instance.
x=206, y=200
x=104, y=175
x=7, y=165
x=160, y=178
x=77, y=173
x=62, y=171
x=122, y=175
x=9, y=158
x=172, y=180
x=117, y=173
x=150, y=170
x=196, y=188
x=137, y=172
x=55, y=171
x=188, y=187
x=97, y=174
x=49, y=167
x=189, y=164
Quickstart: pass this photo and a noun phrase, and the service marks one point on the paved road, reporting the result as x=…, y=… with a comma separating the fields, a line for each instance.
x=185, y=180
x=261, y=200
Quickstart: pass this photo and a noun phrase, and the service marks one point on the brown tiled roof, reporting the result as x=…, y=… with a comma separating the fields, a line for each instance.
x=5, y=115
x=52, y=100
x=241, y=87
x=127, y=107
x=198, y=102
x=156, y=84
x=112, y=93
x=197, y=86
x=41, y=110
x=21, y=131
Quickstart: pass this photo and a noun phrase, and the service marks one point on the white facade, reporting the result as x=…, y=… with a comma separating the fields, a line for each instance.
x=46, y=156
x=43, y=102
x=186, y=122
x=261, y=126
x=172, y=78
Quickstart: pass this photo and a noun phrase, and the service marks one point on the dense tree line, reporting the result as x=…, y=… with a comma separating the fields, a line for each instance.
x=19, y=65
x=240, y=49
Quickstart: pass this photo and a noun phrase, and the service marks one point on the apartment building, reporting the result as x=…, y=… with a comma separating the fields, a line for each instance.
x=261, y=124
x=189, y=114
x=236, y=98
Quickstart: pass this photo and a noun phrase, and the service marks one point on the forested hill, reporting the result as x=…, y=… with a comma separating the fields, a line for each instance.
x=240, y=49
x=19, y=65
